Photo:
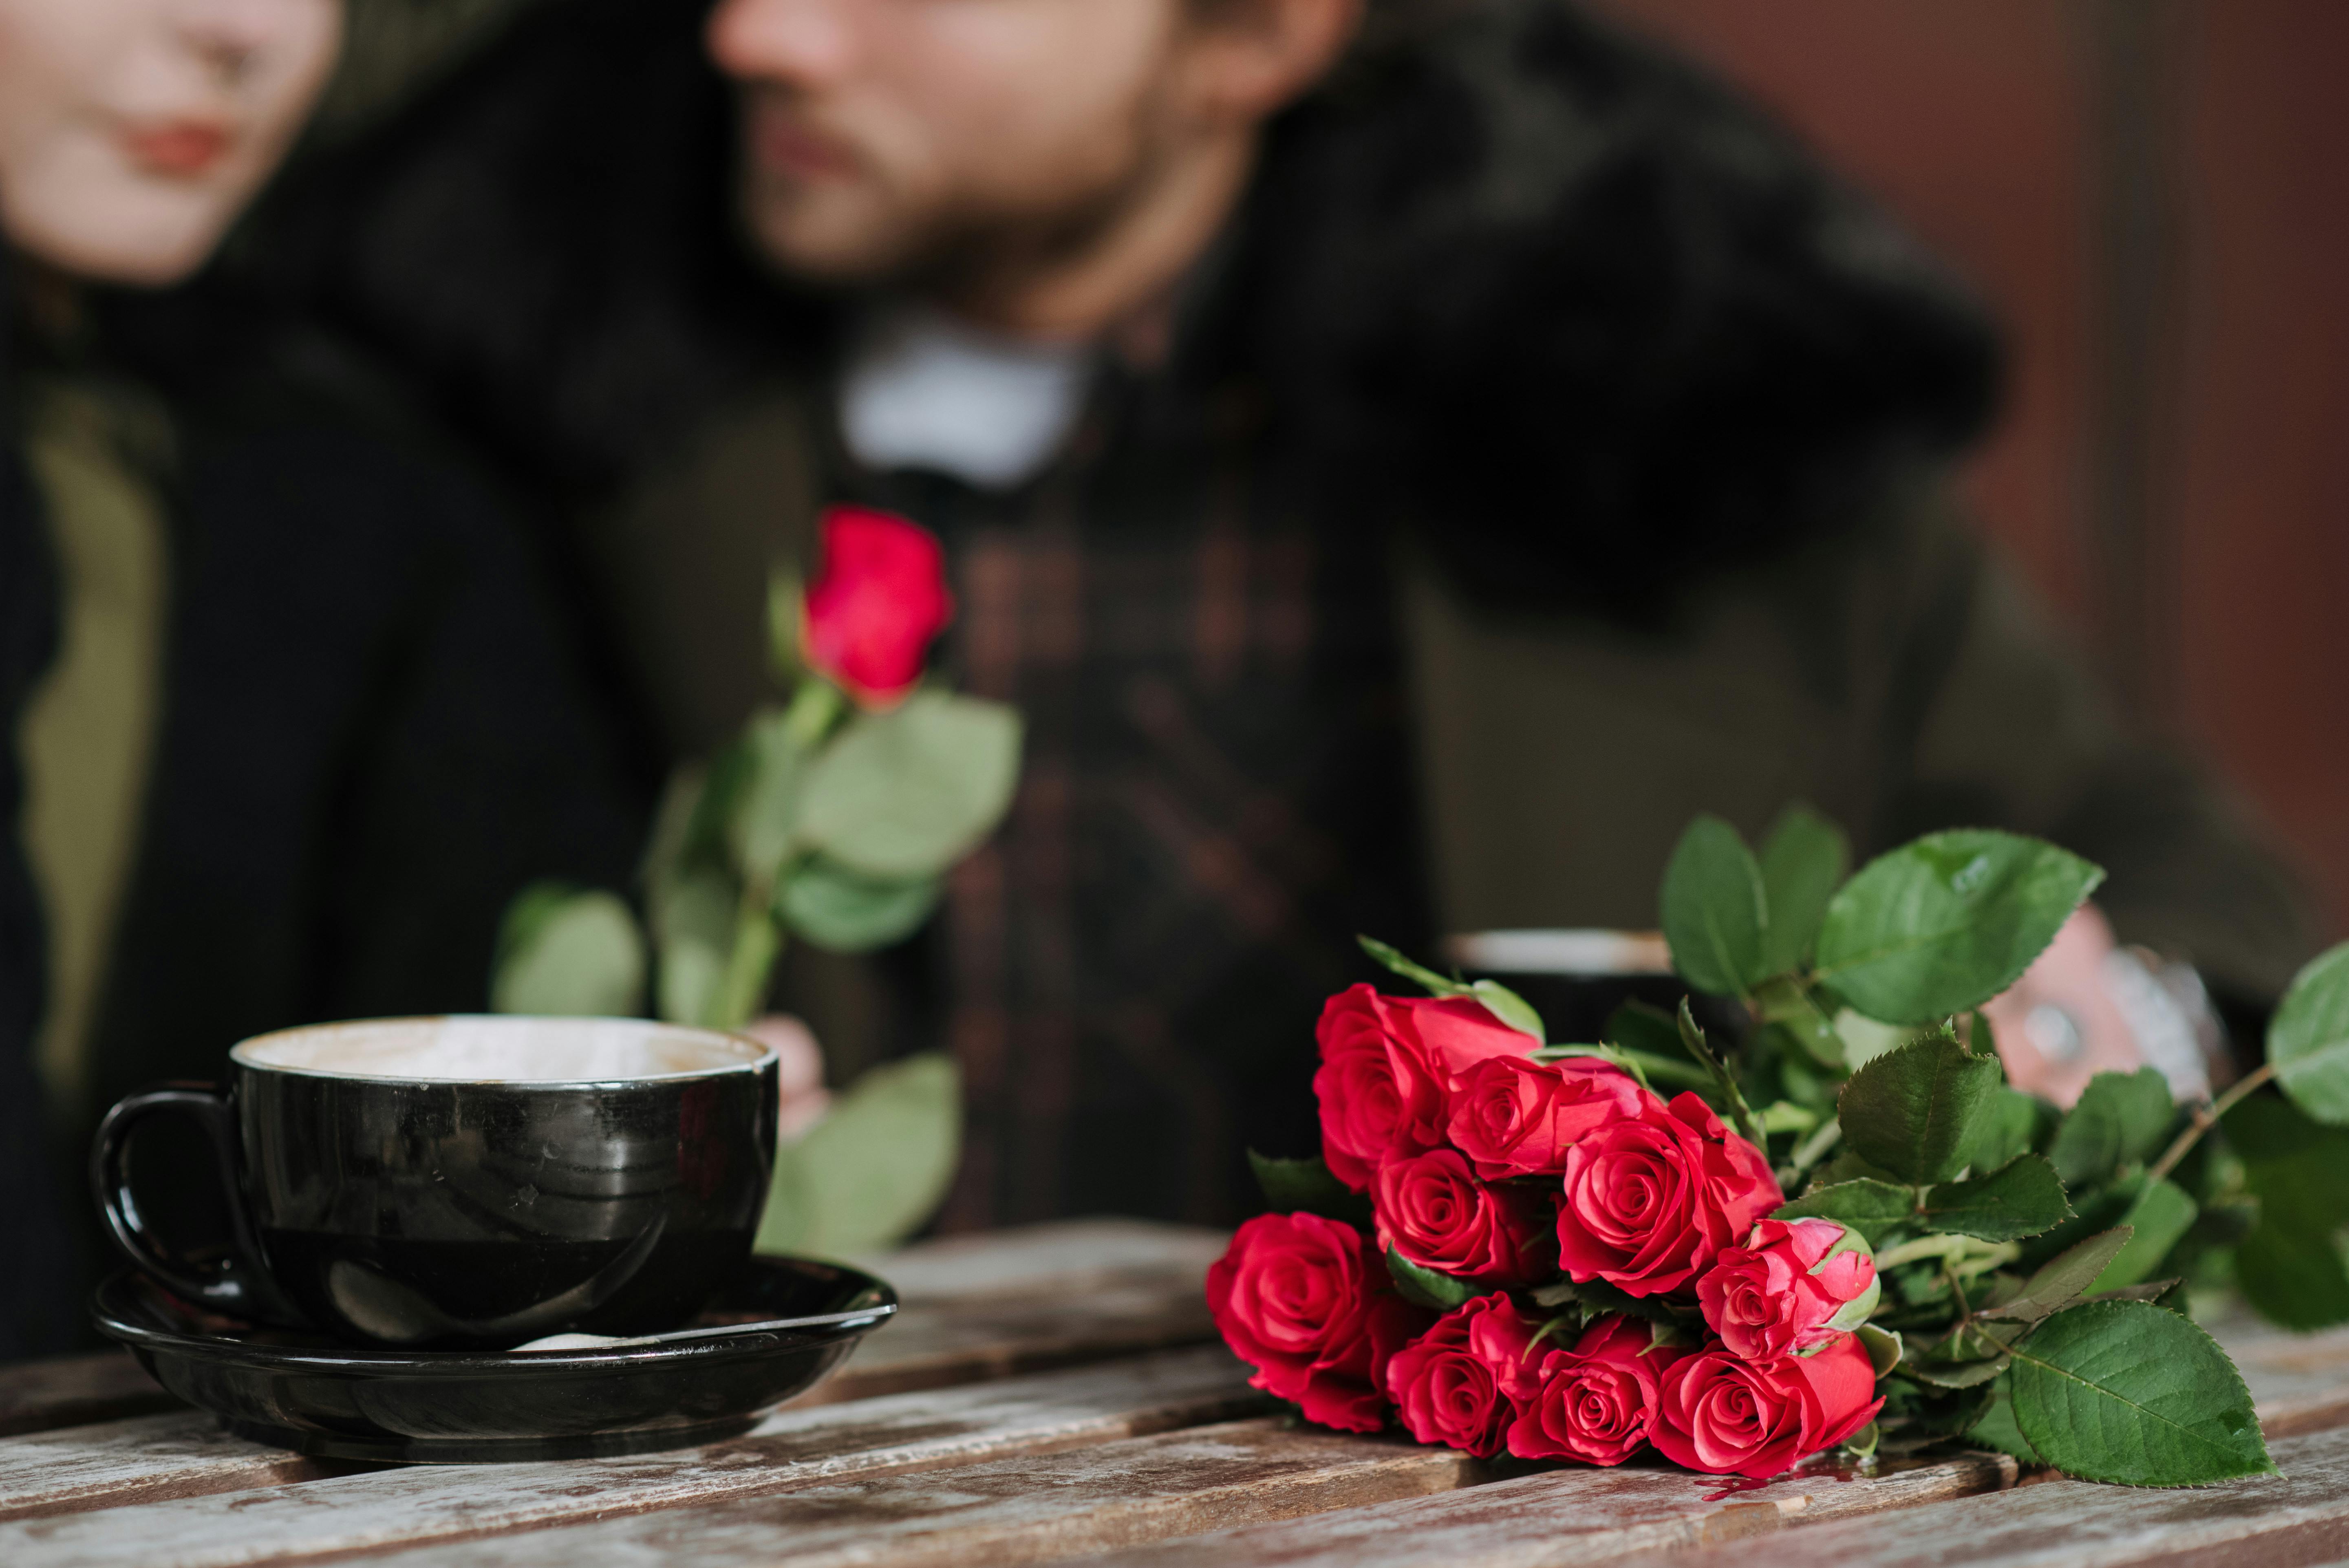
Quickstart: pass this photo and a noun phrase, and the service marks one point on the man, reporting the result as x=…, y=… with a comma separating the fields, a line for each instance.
x=1403, y=462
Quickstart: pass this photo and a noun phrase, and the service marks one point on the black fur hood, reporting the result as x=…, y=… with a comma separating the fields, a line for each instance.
x=1581, y=311
x=1599, y=322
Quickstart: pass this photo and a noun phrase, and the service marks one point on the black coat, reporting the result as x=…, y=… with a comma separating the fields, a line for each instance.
x=36, y=1311
x=374, y=731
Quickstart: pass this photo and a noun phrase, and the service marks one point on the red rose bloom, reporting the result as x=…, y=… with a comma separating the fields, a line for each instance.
x=1308, y=1302
x=1445, y=1383
x=1514, y=1116
x=875, y=608
x=1595, y=1402
x=1650, y=1199
x=1387, y=1063
x=1723, y=1415
x=1781, y=1293
x=1433, y=1211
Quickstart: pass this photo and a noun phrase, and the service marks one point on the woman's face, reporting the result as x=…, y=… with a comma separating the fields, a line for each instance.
x=133, y=131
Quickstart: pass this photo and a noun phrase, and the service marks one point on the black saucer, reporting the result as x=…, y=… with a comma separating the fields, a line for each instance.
x=746, y=1353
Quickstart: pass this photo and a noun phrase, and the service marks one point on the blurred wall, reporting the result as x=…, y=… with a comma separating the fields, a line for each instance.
x=2154, y=195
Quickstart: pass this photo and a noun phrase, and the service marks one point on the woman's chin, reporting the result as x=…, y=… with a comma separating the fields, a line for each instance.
x=133, y=230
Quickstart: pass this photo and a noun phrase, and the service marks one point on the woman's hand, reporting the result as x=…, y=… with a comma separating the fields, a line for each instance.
x=804, y=1097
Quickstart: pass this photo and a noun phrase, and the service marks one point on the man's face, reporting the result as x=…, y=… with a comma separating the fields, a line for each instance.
x=883, y=137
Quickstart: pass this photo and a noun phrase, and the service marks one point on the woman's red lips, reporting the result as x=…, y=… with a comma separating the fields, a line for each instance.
x=183, y=148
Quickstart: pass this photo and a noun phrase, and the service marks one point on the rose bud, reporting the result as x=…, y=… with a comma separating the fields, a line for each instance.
x=1385, y=1065
x=1513, y=1116
x=1308, y=1302
x=1719, y=1413
x=876, y=606
x=1436, y=1214
x=1593, y=1402
x=1444, y=1383
x=1650, y=1199
x=1791, y=1288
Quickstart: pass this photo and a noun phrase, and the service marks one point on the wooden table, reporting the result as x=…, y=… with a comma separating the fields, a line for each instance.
x=1055, y=1394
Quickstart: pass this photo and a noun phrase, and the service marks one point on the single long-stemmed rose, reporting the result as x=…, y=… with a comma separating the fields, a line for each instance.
x=876, y=604
x=831, y=820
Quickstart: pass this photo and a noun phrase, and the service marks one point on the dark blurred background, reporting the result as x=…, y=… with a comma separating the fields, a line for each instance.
x=2150, y=194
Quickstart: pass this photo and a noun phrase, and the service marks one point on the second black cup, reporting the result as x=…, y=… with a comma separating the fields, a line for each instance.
x=474, y=1181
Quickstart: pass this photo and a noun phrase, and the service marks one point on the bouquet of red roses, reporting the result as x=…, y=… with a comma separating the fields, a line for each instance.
x=1576, y=1251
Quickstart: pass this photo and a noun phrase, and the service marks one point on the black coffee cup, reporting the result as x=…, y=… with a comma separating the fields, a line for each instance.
x=473, y=1181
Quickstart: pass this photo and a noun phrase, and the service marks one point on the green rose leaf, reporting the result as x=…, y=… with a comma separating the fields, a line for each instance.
x=566, y=953
x=2125, y=1392
x=1715, y=910
x=693, y=921
x=2160, y=1214
x=871, y=1172
x=1803, y=862
x=1306, y=1186
x=1883, y=1346
x=903, y=795
x=1509, y=1008
x=1915, y=1110
x=2120, y=1119
x=2308, y=1042
x=1997, y=1430
x=1874, y=1209
x=1940, y=924
x=1425, y=1287
x=2062, y=1280
x=2170, y=1294
x=2012, y=1123
x=1957, y=1373
x=2021, y=1198
x=2289, y=1266
x=837, y=909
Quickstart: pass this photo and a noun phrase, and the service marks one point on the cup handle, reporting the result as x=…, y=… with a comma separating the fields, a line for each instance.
x=238, y=1284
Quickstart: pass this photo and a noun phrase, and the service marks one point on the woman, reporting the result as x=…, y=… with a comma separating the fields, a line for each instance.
x=290, y=717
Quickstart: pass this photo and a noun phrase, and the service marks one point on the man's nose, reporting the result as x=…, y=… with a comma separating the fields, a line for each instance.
x=805, y=43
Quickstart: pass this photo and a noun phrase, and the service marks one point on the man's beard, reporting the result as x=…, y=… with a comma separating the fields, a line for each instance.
x=965, y=255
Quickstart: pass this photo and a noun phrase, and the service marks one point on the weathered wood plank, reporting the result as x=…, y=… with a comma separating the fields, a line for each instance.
x=1087, y=1311
x=1027, y=1510
x=1063, y=1253
x=976, y=1306
x=1048, y=1411
x=2269, y=1521
x=75, y=1390
x=143, y=1459
x=1570, y=1517
x=939, y=1342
